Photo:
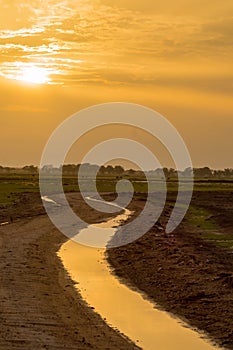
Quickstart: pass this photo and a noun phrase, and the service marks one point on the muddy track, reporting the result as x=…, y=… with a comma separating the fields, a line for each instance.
x=40, y=309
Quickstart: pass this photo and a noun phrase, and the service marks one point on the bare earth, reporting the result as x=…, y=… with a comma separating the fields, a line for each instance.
x=40, y=309
x=184, y=274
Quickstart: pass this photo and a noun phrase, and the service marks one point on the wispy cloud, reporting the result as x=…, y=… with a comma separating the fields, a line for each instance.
x=88, y=42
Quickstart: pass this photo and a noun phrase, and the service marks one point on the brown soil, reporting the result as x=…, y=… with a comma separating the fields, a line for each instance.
x=184, y=274
x=40, y=308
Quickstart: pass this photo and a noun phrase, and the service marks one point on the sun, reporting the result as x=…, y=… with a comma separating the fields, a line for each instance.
x=34, y=75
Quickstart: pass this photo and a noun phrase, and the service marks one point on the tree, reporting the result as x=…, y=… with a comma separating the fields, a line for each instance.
x=109, y=169
x=203, y=172
x=228, y=172
x=31, y=169
x=119, y=170
x=69, y=169
x=188, y=172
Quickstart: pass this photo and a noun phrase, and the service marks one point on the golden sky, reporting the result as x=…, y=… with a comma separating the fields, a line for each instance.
x=60, y=56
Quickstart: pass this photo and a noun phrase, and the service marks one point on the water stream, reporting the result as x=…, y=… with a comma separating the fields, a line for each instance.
x=121, y=307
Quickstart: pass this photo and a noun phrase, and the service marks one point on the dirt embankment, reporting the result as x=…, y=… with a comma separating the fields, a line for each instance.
x=39, y=307
x=184, y=274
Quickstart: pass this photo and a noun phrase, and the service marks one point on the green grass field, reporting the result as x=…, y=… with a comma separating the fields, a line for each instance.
x=205, y=223
x=11, y=186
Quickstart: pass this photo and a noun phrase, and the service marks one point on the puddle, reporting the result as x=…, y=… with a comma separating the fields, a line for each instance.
x=4, y=223
x=49, y=200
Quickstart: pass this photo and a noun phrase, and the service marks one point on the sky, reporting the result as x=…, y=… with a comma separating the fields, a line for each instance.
x=57, y=57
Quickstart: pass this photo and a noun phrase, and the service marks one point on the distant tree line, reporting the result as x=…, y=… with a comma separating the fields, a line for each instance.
x=119, y=171
x=28, y=169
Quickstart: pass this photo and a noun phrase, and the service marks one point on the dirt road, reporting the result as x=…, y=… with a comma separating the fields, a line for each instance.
x=40, y=309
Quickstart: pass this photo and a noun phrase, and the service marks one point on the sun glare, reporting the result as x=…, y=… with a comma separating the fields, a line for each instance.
x=34, y=75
